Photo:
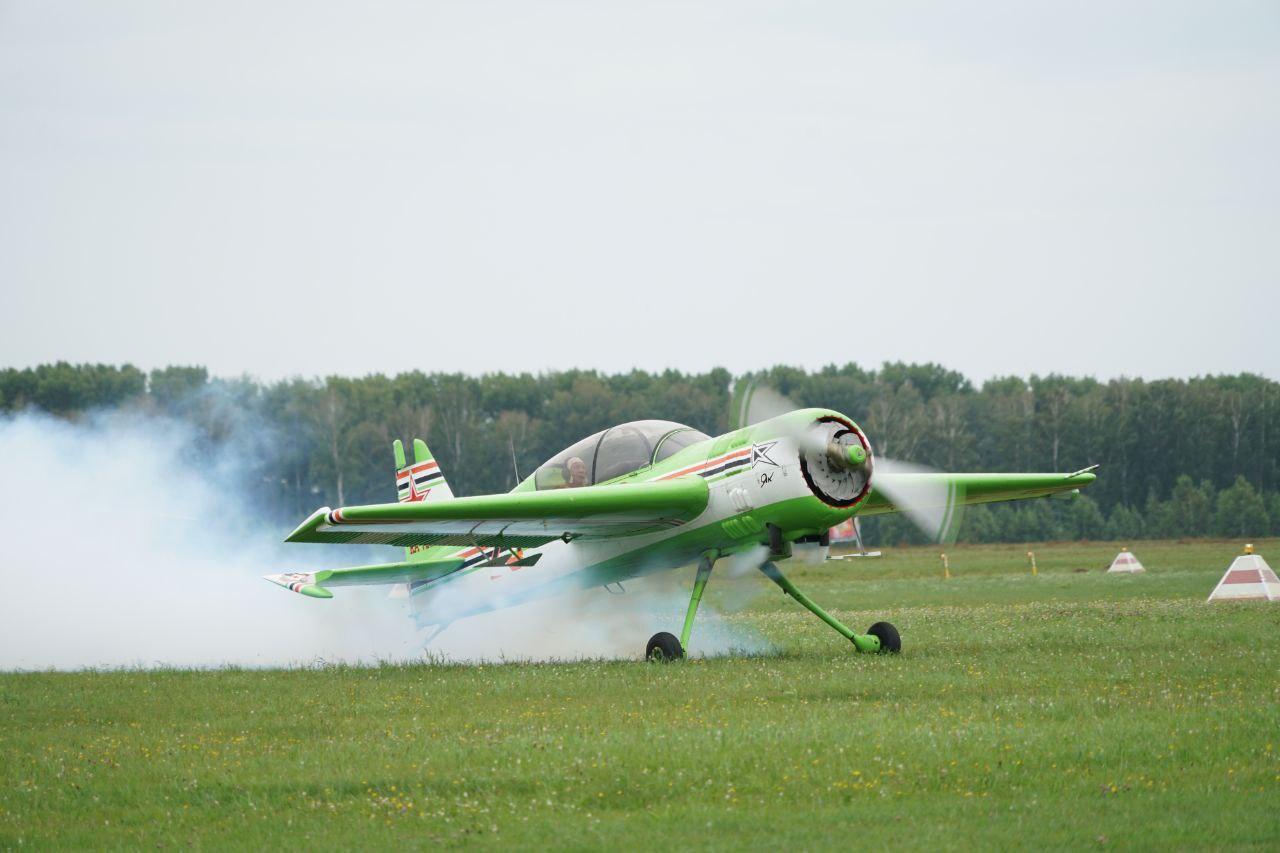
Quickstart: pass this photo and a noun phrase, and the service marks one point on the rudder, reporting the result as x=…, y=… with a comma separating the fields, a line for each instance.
x=421, y=481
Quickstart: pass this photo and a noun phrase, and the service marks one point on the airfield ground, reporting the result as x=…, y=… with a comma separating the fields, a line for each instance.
x=1070, y=709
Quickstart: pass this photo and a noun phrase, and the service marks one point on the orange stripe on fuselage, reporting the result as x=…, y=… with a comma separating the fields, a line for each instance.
x=710, y=463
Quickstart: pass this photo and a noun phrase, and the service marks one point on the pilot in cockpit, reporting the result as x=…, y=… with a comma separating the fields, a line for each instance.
x=573, y=475
x=577, y=470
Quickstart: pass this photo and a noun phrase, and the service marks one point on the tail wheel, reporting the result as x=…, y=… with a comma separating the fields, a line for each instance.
x=890, y=641
x=662, y=647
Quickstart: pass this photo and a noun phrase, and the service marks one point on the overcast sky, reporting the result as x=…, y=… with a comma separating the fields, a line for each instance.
x=1089, y=188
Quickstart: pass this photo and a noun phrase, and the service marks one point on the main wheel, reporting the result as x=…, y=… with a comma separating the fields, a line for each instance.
x=663, y=647
x=890, y=641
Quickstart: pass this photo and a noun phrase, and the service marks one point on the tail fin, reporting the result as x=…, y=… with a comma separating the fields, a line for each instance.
x=421, y=481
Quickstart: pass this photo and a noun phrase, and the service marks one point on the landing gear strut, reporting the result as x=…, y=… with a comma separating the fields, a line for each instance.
x=664, y=646
x=880, y=637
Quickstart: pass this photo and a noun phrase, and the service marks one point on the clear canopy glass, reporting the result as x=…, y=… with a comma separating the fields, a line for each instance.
x=613, y=452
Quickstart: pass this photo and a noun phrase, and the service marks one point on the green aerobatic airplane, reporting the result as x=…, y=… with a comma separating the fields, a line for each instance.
x=643, y=497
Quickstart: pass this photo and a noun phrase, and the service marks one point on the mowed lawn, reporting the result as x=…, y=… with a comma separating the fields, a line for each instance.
x=1071, y=709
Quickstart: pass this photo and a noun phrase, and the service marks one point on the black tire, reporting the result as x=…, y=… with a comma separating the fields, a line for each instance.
x=663, y=647
x=890, y=641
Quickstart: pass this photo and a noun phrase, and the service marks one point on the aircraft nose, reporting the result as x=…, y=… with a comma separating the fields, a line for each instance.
x=846, y=456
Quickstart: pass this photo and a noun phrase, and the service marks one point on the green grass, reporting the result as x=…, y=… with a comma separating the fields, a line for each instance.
x=1065, y=710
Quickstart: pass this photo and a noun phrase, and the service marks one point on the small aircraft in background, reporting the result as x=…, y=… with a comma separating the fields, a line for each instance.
x=644, y=497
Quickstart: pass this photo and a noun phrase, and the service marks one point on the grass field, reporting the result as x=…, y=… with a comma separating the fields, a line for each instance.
x=1071, y=709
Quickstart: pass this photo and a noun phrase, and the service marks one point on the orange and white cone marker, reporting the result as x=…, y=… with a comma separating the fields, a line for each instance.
x=1125, y=563
x=1248, y=578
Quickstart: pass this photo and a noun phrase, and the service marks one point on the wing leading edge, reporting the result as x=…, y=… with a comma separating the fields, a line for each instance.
x=969, y=489
x=518, y=519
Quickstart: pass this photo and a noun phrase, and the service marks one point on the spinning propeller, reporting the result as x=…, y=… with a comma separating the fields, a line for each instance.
x=839, y=465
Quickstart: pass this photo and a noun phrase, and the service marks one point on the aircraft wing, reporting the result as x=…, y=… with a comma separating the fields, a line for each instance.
x=943, y=491
x=517, y=519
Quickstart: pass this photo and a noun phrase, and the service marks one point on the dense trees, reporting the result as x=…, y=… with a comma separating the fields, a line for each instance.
x=1180, y=457
x=63, y=388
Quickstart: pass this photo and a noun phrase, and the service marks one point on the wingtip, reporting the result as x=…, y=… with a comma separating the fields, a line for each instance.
x=1085, y=475
x=313, y=521
x=287, y=580
x=303, y=584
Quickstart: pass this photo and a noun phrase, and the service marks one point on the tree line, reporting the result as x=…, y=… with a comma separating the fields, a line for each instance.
x=1180, y=457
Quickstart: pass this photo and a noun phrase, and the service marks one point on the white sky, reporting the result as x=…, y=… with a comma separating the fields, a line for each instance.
x=1090, y=188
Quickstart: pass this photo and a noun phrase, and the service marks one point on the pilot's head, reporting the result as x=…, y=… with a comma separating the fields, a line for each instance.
x=577, y=471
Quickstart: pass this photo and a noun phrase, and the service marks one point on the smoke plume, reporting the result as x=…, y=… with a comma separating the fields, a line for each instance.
x=122, y=546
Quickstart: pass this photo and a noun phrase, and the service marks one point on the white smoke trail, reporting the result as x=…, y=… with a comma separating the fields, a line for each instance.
x=118, y=547
x=594, y=623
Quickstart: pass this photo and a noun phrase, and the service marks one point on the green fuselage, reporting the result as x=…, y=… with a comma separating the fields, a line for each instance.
x=789, y=478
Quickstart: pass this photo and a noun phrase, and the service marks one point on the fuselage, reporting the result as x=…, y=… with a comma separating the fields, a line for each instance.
x=755, y=477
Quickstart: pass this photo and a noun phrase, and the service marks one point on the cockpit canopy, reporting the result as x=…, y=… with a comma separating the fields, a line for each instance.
x=613, y=452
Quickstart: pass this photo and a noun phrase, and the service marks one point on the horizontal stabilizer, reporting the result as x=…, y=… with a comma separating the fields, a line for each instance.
x=301, y=583
x=315, y=584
